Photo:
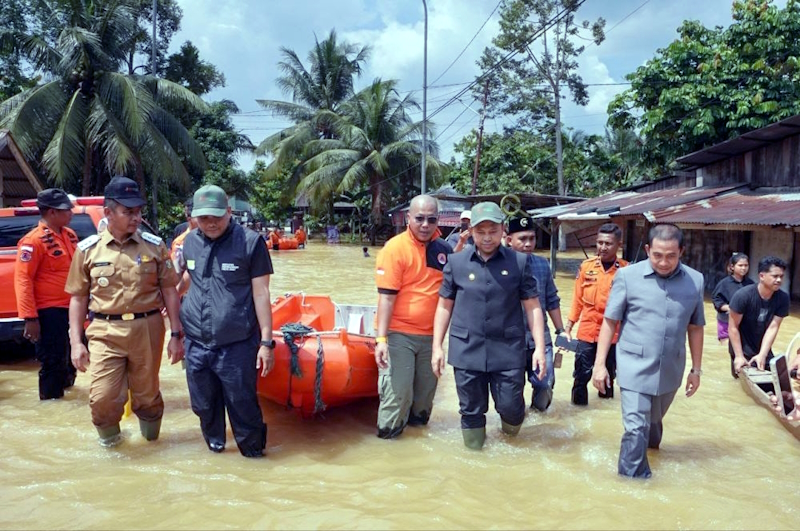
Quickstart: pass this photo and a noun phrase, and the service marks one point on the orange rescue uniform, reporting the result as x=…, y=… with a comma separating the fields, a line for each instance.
x=274, y=240
x=300, y=234
x=43, y=261
x=592, y=287
x=413, y=271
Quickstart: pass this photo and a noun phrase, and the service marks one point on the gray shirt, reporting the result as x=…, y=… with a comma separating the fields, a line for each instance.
x=655, y=313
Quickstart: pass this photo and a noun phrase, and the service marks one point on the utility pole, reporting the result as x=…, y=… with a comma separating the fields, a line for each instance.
x=153, y=72
x=480, y=140
x=423, y=183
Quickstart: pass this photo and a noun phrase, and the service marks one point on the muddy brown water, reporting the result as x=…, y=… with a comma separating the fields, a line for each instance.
x=725, y=463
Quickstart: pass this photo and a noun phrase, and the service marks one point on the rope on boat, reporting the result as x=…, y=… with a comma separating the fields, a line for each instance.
x=291, y=332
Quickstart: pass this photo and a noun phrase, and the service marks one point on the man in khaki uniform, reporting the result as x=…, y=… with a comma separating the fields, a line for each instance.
x=130, y=277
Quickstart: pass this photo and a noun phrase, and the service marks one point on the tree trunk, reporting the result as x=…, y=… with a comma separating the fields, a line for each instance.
x=377, y=210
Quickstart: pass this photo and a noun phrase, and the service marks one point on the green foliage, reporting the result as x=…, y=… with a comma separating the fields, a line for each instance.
x=140, y=46
x=187, y=69
x=271, y=196
x=13, y=78
x=88, y=121
x=710, y=85
x=519, y=161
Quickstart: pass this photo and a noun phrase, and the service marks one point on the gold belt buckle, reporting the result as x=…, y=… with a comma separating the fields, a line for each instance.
x=127, y=317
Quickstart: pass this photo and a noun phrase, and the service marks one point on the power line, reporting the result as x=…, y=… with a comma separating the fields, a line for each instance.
x=553, y=21
x=468, y=44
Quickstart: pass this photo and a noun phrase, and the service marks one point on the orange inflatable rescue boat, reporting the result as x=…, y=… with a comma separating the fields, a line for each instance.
x=325, y=354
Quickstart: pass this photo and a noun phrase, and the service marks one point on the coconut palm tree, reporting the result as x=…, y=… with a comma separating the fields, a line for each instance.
x=317, y=94
x=87, y=120
x=375, y=144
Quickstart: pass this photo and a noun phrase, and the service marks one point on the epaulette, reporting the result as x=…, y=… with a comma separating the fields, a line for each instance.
x=151, y=238
x=88, y=242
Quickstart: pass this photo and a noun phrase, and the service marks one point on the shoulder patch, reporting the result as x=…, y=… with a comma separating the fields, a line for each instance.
x=86, y=243
x=151, y=238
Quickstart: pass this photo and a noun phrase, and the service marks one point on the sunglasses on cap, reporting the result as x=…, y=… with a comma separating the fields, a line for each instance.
x=432, y=220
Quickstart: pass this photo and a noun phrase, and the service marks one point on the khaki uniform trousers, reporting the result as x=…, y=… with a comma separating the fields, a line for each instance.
x=407, y=386
x=125, y=355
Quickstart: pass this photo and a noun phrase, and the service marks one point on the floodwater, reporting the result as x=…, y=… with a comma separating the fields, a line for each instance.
x=725, y=463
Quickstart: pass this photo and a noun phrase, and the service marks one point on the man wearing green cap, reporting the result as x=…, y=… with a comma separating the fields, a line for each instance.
x=227, y=317
x=482, y=293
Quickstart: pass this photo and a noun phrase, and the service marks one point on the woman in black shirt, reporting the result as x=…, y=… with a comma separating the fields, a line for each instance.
x=739, y=266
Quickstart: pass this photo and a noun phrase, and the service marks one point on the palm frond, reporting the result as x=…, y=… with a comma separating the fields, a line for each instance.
x=63, y=158
x=293, y=111
x=106, y=133
x=128, y=100
x=33, y=115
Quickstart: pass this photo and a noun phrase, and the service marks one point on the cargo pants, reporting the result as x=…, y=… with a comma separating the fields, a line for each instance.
x=407, y=386
x=125, y=355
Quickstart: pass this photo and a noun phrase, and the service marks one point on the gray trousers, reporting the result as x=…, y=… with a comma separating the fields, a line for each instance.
x=407, y=386
x=642, y=417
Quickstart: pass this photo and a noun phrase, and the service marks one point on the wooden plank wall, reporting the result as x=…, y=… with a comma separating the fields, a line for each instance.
x=775, y=165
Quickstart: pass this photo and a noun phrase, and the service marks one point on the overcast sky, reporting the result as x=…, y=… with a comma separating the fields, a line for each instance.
x=242, y=38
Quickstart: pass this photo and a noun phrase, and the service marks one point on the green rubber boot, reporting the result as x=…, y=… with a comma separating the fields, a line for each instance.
x=509, y=429
x=109, y=437
x=150, y=428
x=474, y=437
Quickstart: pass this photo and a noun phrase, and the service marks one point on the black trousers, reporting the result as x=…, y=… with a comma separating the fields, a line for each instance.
x=473, y=388
x=53, y=351
x=225, y=378
x=585, y=355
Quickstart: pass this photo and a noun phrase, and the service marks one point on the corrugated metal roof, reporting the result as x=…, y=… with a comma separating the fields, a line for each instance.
x=631, y=203
x=738, y=208
x=744, y=143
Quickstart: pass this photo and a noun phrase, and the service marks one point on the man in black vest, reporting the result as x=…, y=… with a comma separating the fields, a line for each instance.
x=227, y=318
x=482, y=291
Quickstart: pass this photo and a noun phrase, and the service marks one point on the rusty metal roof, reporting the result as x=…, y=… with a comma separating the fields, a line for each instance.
x=744, y=143
x=630, y=203
x=740, y=207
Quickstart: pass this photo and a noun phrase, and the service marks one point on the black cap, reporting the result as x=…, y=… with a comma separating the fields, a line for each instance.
x=124, y=191
x=520, y=224
x=53, y=198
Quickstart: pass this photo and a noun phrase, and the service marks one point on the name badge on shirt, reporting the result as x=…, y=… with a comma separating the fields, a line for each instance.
x=190, y=264
x=229, y=267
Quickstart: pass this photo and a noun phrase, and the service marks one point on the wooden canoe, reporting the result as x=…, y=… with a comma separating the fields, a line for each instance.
x=334, y=360
x=758, y=384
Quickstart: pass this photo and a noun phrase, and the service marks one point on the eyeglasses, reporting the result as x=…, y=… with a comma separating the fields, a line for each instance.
x=432, y=220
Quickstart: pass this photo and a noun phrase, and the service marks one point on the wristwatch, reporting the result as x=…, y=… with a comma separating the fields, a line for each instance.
x=559, y=331
x=698, y=372
x=269, y=344
x=178, y=335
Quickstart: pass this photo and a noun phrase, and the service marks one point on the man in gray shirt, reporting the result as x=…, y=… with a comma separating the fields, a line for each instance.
x=658, y=301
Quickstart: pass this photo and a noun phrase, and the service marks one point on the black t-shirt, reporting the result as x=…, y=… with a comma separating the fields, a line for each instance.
x=724, y=292
x=757, y=314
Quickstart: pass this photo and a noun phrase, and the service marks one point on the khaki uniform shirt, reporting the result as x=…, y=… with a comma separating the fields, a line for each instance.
x=121, y=277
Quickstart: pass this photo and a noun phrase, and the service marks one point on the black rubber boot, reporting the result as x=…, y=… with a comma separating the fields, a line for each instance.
x=418, y=420
x=541, y=398
x=109, y=437
x=609, y=391
x=390, y=433
x=580, y=395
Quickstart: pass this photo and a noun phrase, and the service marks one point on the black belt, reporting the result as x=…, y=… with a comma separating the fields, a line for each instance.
x=125, y=316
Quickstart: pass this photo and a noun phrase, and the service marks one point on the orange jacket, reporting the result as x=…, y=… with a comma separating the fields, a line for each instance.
x=40, y=273
x=300, y=234
x=592, y=287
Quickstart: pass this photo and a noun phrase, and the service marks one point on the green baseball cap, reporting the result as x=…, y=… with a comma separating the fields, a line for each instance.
x=487, y=211
x=210, y=200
